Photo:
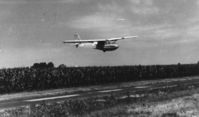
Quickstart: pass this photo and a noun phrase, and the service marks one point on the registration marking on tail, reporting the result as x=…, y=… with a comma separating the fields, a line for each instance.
x=51, y=98
x=106, y=91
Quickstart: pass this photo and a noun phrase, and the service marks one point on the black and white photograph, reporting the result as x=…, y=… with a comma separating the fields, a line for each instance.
x=99, y=58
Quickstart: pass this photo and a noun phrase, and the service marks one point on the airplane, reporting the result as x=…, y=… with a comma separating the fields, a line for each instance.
x=100, y=44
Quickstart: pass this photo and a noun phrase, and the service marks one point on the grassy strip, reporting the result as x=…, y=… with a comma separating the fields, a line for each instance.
x=110, y=105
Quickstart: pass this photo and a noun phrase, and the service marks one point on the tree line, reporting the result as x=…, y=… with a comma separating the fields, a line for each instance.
x=41, y=76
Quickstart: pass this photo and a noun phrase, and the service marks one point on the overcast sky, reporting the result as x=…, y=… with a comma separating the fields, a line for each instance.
x=33, y=30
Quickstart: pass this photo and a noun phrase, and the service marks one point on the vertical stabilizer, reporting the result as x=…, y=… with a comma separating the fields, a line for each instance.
x=76, y=36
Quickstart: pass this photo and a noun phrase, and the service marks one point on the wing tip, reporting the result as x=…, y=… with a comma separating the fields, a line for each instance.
x=128, y=37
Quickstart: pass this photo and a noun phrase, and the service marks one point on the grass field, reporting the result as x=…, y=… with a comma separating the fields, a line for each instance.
x=186, y=106
x=181, y=101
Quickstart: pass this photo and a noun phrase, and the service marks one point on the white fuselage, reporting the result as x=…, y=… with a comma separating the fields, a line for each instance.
x=87, y=45
x=105, y=47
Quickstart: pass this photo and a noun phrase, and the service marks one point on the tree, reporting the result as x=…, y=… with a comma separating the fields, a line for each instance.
x=50, y=65
x=42, y=65
x=62, y=66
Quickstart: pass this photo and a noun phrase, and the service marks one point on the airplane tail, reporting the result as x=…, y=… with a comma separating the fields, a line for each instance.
x=76, y=36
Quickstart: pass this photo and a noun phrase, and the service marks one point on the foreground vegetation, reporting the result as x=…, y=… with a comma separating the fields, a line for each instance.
x=161, y=102
x=43, y=76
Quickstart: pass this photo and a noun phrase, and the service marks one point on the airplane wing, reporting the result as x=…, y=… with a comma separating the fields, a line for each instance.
x=98, y=40
x=121, y=38
x=83, y=41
